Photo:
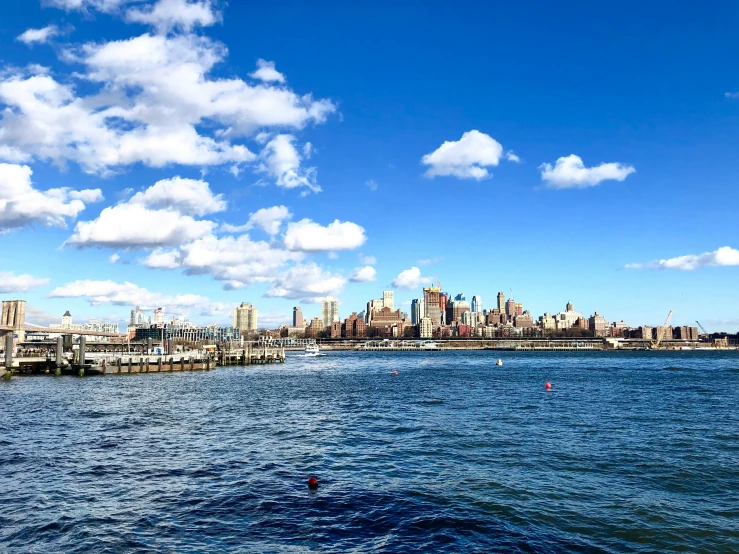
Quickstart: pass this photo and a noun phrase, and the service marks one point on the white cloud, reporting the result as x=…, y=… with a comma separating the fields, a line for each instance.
x=21, y=204
x=367, y=260
x=570, y=172
x=10, y=282
x=132, y=226
x=186, y=196
x=238, y=261
x=410, y=279
x=106, y=6
x=467, y=158
x=266, y=72
x=281, y=160
x=429, y=261
x=33, y=36
x=155, y=104
x=267, y=219
x=128, y=294
x=114, y=258
x=165, y=15
x=363, y=274
x=307, y=236
x=511, y=157
x=724, y=256
x=371, y=184
x=307, y=282
x=731, y=94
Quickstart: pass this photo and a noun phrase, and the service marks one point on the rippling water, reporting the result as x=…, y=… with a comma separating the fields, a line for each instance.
x=630, y=452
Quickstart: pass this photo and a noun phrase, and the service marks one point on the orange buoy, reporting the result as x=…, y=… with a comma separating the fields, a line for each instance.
x=548, y=386
x=395, y=372
x=313, y=483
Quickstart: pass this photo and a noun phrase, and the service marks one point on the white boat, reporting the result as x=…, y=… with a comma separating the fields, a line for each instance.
x=312, y=350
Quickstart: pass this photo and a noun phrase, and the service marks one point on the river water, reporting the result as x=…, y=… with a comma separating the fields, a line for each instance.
x=629, y=452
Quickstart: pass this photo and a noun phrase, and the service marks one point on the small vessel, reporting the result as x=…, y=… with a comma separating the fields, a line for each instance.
x=312, y=350
x=499, y=362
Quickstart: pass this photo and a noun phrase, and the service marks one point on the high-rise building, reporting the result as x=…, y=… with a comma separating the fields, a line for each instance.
x=456, y=308
x=443, y=301
x=388, y=300
x=417, y=310
x=298, y=320
x=431, y=304
x=329, y=311
x=245, y=318
x=510, y=307
x=599, y=325
x=426, y=328
x=477, y=304
x=159, y=317
x=519, y=308
x=139, y=317
x=501, y=302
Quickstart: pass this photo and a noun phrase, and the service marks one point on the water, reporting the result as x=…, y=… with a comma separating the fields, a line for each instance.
x=630, y=452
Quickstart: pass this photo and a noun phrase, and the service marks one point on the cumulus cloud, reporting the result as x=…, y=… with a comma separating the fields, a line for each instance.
x=39, y=36
x=238, y=261
x=23, y=205
x=363, y=274
x=467, y=158
x=186, y=196
x=281, y=160
x=165, y=15
x=114, y=258
x=724, y=256
x=570, y=172
x=410, y=279
x=307, y=282
x=106, y=6
x=128, y=294
x=10, y=282
x=133, y=226
x=267, y=219
x=266, y=72
x=307, y=236
x=155, y=104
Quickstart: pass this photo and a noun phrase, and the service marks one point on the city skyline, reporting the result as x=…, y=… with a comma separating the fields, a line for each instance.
x=231, y=163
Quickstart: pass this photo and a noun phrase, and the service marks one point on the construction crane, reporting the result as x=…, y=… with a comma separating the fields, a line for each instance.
x=661, y=330
x=703, y=329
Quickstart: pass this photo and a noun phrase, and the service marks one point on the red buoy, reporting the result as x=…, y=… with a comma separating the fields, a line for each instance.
x=548, y=386
x=313, y=483
x=395, y=372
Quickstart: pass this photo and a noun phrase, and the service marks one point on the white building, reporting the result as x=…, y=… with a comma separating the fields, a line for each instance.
x=159, y=317
x=417, y=310
x=477, y=304
x=568, y=318
x=426, y=328
x=548, y=322
x=245, y=318
x=67, y=324
x=139, y=317
x=101, y=327
x=388, y=300
x=329, y=311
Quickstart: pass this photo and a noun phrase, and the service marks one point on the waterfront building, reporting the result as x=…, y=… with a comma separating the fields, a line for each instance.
x=388, y=299
x=245, y=318
x=329, y=311
x=547, y=322
x=417, y=310
x=523, y=320
x=645, y=332
x=426, y=328
x=336, y=329
x=432, y=307
x=501, y=303
x=686, y=333
x=599, y=325
x=316, y=327
x=477, y=304
x=470, y=318
x=139, y=317
x=386, y=317
x=662, y=332
x=354, y=326
x=298, y=317
x=101, y=327
x=568, y=318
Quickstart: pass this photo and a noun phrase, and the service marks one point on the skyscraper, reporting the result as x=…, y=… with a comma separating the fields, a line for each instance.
x=245, y=317
x=477, y=304
x=501, y=302
x=417, y=310
x=298, y=317
x=510, y=307
x=388, y=300
x=329, y=311
x=431, y=304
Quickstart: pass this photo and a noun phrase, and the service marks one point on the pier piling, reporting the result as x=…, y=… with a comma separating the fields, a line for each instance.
x=59, y=351
x=9, y=351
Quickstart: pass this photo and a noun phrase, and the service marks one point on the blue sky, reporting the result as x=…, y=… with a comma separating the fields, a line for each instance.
x=249, y=151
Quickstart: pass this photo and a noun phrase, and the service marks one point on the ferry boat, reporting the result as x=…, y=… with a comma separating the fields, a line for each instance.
x=312, y=350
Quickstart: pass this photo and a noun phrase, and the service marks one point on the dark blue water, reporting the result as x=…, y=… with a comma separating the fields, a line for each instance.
x=630, y=452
